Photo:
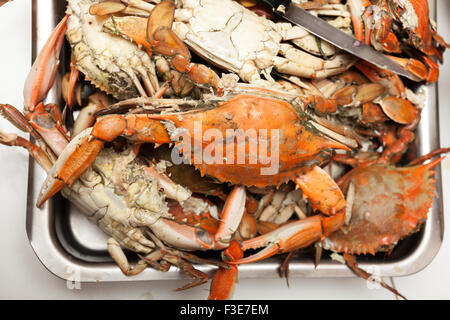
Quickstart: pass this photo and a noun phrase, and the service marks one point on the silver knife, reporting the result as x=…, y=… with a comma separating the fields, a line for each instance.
x=340, y=39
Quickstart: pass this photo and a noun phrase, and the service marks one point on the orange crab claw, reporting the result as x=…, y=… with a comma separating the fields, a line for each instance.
x=156, y=36
x=162, y=16
x=321, y=189
x=39, y=81
x=291, y=236
x=82, y=151
x=43, y=72
x=325, y=196
x=164, y=41
x=224, y=281
x=414, y=66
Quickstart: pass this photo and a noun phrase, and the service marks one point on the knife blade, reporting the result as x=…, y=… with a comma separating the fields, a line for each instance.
x=338, y=38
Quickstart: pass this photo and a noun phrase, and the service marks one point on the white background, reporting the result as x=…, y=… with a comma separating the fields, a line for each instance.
x=23, y=277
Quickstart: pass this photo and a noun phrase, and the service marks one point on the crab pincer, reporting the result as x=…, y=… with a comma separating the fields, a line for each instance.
x=45, y=119
x=302, y=233
x=224, y=280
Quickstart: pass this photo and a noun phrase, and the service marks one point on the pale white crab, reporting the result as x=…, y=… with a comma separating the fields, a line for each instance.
x=113, y=64
x=237, y=40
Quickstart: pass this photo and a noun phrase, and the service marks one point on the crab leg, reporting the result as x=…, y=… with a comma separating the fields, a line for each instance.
x=316, y=184
x=74, y=74
x=43, y=72
x=36, y=152
x=223, y=283
x=351, y=263
x=414, y=66
x=290, y=237
x=299, y=63
x=39, y=81
x=119, y=257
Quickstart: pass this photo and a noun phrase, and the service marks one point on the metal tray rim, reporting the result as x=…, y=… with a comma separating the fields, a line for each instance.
x=62, y=264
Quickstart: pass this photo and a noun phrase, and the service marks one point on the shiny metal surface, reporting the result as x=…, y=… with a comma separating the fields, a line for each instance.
x=73, y=248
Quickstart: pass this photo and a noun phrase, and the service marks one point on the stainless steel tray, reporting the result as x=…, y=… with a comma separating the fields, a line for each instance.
x=73, y=248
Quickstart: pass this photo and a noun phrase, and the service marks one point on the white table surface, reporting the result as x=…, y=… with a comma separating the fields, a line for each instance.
x=23, y=277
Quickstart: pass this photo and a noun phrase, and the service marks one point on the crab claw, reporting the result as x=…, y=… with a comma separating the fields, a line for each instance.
x=325, y=196
x=63, y=173
x=286, y=238
x=183, y=235
x=322, y=190
x=223, y=283
x=46, y=119
x=43, y=72
x=82, y=151
x=414, y=66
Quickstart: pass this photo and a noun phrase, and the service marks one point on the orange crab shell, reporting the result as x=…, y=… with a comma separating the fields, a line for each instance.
x=390, y=204
x=294, y=144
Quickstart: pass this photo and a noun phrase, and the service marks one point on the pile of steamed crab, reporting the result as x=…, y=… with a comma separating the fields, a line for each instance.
x=214, y=125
